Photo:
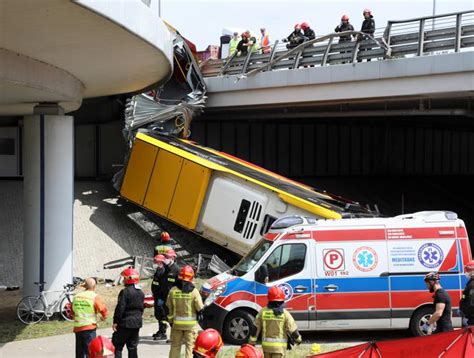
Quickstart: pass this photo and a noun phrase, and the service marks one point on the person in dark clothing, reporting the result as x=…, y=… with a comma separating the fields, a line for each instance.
x=308, y=32
x=368, y=27
x=295, y=38
x=160, y=293
x=128, y=315
x=246, y=44
x=344, y=26
x=467, y=301
x=442, y=304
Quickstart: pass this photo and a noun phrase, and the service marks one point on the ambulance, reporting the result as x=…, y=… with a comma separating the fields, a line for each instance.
x=348, y=274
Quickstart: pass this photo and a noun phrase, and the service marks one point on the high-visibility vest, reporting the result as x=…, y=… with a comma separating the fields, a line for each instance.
x=83, y=308
x=184, y=315
x=265, y=44
x=273, y=329
x=233, y=46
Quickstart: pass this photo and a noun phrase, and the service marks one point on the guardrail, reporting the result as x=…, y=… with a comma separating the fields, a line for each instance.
x=399, y=39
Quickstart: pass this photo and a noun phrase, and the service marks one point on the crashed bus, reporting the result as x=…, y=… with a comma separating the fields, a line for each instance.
x=217, y=196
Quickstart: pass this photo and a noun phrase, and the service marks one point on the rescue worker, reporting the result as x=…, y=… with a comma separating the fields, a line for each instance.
x=442, y=305
x=159, y=289
x=368, y=27
x=467, y=300
x=101, y=347
x=172, y=270
x=295, y=38
x=128, y=315
x=85, y=307
x=234, y=41
x=164, y=245
x=248, y=351
x=208, y=343
x=308, y=32
x=185, y=307
x=248, y=43
x=276, y=325
x=264, y=41
x=344, y=26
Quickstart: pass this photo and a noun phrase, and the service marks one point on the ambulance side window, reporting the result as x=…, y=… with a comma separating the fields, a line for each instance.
x=285, y=261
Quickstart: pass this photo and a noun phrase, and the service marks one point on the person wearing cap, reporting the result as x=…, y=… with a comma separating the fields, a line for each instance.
x=276, y=325
x=234, y=41
x=164, y=245
x=264, y=41
x=208, y=343
x=85, y=307
x=343, y=27
x=466, y=305
x=295, y=38
x=128, y=315
x=159, y=289
x=368, y=27
x=185, y=306
x=442, y=304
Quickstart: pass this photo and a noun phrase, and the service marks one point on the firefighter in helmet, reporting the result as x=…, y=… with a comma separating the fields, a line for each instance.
x=248, y=351
x=128, y=315
x=208, y=343
x=277, y=326
x=467, y=301
x=159, y=289
x=185, y=308
x=101, y=347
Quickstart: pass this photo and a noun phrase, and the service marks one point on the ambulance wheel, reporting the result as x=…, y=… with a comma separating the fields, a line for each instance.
x=419, y=318
x=237, y=327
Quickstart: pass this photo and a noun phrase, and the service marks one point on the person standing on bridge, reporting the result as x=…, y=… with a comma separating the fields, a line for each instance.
x=308, y=32
x=264, y=41
x=343, y=27
x=442, y=304
x=295, y=38
x=368, y=27
x=85, y=307
x=277, y=326
x=234, y=41
x=128, y=315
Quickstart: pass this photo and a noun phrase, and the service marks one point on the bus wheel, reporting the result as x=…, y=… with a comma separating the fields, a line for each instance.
x=238, y=326
x=419, y=318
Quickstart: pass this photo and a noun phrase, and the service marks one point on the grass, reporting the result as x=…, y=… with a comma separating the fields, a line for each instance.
x=300, y=351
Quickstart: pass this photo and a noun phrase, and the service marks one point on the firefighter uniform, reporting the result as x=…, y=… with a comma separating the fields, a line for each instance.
x=275, y=325
x=185, y=304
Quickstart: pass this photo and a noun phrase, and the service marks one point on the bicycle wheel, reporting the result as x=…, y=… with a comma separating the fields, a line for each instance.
x=30, y=310
x=66, y=308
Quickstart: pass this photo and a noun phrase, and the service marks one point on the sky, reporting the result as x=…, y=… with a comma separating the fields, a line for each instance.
x=202, y=21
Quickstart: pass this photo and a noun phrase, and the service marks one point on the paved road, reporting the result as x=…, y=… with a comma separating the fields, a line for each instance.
x=63, y=345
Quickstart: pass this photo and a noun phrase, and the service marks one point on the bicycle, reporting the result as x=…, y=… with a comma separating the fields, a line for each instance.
x=32, y=309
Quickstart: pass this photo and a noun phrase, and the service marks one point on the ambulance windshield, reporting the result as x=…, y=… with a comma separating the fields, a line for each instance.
x=251, y=259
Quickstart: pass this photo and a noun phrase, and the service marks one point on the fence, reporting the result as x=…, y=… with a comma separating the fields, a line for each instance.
x=399, y=39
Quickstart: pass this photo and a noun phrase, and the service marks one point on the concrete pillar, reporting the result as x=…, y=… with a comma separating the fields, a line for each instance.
x=48, y=194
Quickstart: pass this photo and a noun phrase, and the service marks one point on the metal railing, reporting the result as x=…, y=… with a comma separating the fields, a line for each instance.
x=452, y=32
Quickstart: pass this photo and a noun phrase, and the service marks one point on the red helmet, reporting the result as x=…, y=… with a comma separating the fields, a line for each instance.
x=130, y=276
x=432, y=276
x=469, y=267
x=171, y=253
x=186, y=274
x=297, y=27
x=248, y=351
x=345, y=18
x=159, y=258
x=304, y=25
x=275, y=293
x=165, y=237
x=367, y=11
x=101, y=347
x=208, y=343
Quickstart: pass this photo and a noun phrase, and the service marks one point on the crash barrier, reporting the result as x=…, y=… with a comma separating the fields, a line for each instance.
x=454, y=344
x=452, y=32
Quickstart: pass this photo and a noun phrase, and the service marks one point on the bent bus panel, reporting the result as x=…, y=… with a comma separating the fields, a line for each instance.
x=345, y=274
x=220, y=197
